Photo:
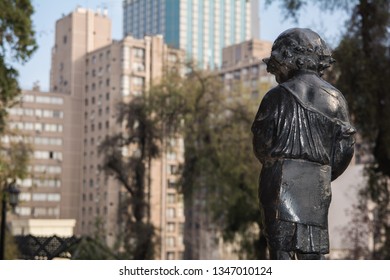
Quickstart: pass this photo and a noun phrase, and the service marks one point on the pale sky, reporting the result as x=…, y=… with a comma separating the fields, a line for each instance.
x=272, y=23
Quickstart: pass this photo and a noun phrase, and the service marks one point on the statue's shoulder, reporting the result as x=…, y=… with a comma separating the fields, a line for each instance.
x=275, y=95
x=316, y=94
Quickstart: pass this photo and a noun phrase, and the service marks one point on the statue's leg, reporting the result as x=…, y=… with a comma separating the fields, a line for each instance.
x=280, y=255
x=301, y=256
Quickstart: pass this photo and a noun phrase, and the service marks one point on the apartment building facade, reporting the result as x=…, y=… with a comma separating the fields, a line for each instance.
x=90, y=74
x=98, y=73
x=40, y=119
x=243, y=66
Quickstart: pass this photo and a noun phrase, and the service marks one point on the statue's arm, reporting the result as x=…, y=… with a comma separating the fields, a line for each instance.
x=343, y=147
x=264, y=125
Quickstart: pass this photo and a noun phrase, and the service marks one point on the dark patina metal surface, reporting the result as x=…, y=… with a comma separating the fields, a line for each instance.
x=304, y=140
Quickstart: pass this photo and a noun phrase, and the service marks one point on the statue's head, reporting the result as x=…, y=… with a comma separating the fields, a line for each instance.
x=298, y=49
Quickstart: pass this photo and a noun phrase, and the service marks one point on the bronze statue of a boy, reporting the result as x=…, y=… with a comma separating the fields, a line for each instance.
x=304, y=140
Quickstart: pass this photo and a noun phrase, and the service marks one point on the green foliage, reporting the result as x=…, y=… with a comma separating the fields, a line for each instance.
x=11, y=249
x=127, y=157
x=219, y=167
x=17, y=44
x=362, y=74
x=364, y=67
x=93, y=247
x=292, y=8
x=14, y=158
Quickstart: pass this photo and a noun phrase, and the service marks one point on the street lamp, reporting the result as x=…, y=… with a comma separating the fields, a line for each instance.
x=12, y=192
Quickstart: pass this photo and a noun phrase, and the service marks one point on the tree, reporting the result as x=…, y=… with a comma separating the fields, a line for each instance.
x=127, y=157
x=17, y=44
x=361, y=73
x=13, y=165
x=236, y=188
x=219, y=170
x=365, y=85
x=93, y=247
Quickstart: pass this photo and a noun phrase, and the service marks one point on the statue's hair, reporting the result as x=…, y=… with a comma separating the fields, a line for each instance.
x=300, y=48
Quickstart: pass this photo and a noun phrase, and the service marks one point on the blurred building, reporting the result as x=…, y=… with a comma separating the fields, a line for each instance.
x=43, y=119
x=90, y=74
x=243, y=67
x=201, y=28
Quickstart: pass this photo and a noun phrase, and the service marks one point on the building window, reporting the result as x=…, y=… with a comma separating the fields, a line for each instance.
x=49, y=100
x=171, y=198
x=170, y=255
x=65, y=39
x=53, y=211
x=171, y=227
x=255, y=70
x=172, y=169
x=28, y=98
x=39, y=197
x=24, y=196
x=171, y=156
x=53, y=197
x=138, y=81
x=140, y=53
x=47, y=155
x=254, y=83
x=171, y=184
x=39, y=211
x=172, y=57
x=23, y=211
x=181, y=228
x=138, y=67
x=171, y=213
x=170, y=242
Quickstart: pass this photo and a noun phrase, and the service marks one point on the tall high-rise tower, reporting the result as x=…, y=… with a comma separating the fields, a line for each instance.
x=201, y=28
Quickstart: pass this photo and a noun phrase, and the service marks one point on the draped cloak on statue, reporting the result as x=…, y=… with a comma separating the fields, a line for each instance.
x=304, y=140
